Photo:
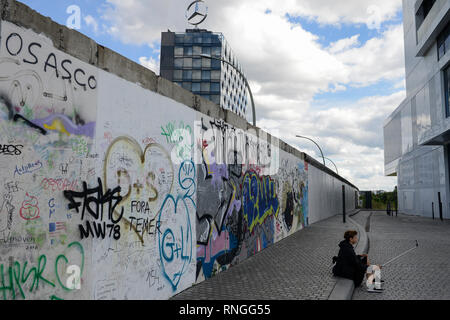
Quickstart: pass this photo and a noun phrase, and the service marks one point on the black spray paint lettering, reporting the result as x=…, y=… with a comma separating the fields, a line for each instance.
x=15, y=46
x=143, y=225
x=11, y=149
x=12, y=186
x=15, y=116
x=140, y=207
x=96, y=197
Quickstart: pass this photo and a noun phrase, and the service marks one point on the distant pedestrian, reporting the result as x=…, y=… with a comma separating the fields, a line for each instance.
x=355, y=267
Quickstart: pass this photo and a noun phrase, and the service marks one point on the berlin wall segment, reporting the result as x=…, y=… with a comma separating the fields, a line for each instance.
x=101, y=179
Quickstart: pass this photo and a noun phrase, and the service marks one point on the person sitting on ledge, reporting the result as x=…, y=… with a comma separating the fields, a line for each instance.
x=351, y=266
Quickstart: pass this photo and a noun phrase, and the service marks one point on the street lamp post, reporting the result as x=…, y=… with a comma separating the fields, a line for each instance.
x=317, y=147
x=245, y=80
x=333, y=164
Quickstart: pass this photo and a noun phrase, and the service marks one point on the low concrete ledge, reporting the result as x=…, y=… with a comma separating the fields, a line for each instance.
x=343, y=290
x=363, y=243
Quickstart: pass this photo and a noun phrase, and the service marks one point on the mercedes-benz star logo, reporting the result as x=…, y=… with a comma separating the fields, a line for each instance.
x=197, y=12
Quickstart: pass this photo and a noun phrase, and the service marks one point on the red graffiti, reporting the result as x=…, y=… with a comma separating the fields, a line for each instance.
x=148, y=141
x=29, y=209
x=59, y=184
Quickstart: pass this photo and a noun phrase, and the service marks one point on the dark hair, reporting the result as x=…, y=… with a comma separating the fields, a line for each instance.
x=350, y=234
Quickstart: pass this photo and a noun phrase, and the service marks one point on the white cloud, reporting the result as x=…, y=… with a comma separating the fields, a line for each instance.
x=369, y=12
x=150, y=63
x=91, y=22
x=350, y=135
x=344, y=44
x=379, y=58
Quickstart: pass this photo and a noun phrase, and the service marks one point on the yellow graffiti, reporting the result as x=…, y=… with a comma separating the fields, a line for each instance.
x=57, y=125
x=266, y=186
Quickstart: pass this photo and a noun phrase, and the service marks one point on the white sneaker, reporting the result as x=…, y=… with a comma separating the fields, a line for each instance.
x=374, y=290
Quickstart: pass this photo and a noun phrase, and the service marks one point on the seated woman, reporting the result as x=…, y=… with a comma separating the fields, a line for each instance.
x=354, y=267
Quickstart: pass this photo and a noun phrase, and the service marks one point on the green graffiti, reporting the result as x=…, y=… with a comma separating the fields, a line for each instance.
x=169, y=131
x=62, y=256
x=18, y=275
x=37, y=230
x=80, y=146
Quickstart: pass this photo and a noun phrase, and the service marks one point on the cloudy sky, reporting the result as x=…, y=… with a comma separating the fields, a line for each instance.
x=330, y=70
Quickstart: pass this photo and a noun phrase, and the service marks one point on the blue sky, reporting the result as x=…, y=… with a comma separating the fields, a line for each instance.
x=332, y=33
x=57, y=11
x=318, y=80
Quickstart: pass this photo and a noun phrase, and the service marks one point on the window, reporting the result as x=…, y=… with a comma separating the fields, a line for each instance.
x=179, y=38
x=216, y=39
x=207, y=38
x=215, y=64
x=177, y=74
x=196, y=75
x=179, y=51
x=178, y=62
x=206, y=63
x=187, y=75
x=198, y=39
x=216, y=51
x=447, y=91
x=187, y=63
x=196, y=87
x=206, y=50
x=215, y=87
x=443, y=42
x=197, y=63
x=423, y=12
x=197, y=50
x=188, y=38
x=188, y=51
x=206, y=96
x=215, y=75
x=205, y=86
x=206, y=75
x=187, y=86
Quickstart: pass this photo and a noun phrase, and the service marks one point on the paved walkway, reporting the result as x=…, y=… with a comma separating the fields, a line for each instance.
x=423, y=274
x=296, y=268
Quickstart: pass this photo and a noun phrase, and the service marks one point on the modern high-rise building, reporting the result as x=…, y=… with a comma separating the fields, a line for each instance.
x=184, y=60
x=417, y=133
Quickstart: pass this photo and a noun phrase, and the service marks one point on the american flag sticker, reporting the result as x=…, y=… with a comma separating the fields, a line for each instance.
x=56, y=228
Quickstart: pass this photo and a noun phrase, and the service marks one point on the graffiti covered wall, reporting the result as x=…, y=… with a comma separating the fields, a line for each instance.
x=48, y=111
x=112, y=191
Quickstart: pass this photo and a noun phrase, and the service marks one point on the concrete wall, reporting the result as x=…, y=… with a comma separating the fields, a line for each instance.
x=117, y=184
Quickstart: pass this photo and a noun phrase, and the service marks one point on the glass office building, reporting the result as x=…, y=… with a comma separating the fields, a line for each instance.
x=182, y=62
x=417, y=133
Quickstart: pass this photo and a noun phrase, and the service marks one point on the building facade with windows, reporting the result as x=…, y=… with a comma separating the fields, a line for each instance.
x=182, y=62
x=417, y=133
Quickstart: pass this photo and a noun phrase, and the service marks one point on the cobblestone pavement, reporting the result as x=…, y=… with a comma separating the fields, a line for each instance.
x=423, y=274
x=296, y=268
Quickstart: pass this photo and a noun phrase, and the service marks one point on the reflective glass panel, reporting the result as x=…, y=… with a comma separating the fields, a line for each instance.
x=179, y=51
x=196, y=87
x=196, y=75
x=206, y=75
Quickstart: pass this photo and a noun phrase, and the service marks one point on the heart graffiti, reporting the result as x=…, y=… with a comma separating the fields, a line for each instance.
x=145, y=177
x=175, y=236
x=174, y=239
